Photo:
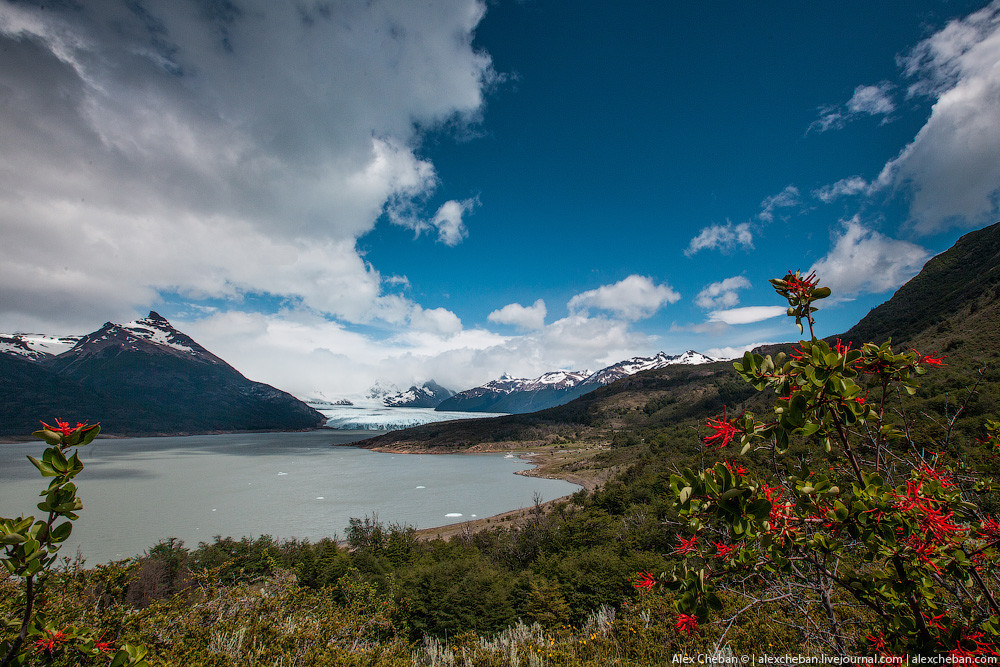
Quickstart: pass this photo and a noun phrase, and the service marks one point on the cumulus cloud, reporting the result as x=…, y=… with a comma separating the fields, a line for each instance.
x=633, y=298
x=867, y=100
x=448, y=221
x=863, y=260
x=721, y=237
x=239, y=162
x=785, y=199
x=845, y=187
x=950, y=170
x=524, y=317
x=721, y=294
x=746, y=315
x=308, y=355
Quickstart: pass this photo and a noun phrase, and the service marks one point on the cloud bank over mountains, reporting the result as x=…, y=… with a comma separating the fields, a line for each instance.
x=226, y=155
x=209, y=149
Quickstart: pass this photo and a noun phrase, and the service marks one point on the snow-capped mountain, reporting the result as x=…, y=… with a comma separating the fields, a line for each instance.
x=517, y=395
x=36, y=346
x=150, y=334
x=140, y=377
x=637, y=364
x=381, y=390
x=428, y=395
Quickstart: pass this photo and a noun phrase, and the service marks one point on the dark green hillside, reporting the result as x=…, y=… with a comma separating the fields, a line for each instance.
x=643, y=401
x=969, y=272
x=29, y=393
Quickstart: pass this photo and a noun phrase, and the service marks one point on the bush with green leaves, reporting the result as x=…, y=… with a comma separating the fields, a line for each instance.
x=30, y=548
x=878, y=547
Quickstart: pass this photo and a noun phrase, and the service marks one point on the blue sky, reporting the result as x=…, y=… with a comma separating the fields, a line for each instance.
x=326, y=194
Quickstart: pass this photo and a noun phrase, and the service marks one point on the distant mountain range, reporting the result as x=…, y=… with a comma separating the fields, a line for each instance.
x=952, y=307
x=428, y=395
x=143, y=377
x=522, y=395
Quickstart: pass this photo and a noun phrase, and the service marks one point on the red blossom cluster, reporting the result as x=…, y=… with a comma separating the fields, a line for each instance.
x=63, y=428
x=686, y=623
x=990, y=529
x=737, y=470
x=725, y=430
x=645, y=582
x=780, y=511
x=801, y=286
x=724, y=551
x=687, y=546
x=930, y=359
x=51, y=641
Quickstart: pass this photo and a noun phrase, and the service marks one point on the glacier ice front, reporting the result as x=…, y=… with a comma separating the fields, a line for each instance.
x=381, y=418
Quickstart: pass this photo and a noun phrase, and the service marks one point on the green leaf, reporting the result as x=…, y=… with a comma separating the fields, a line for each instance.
x=48, y=436
x=62, y=531
x=44, y=468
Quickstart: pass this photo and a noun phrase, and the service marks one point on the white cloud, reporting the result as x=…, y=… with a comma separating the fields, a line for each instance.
x=525, y=317
x=435, y=320
x=633, y=298
x=872, y=100
x=247, y=152
x=746, y=315
x=863, y=260
x=305, y=354
x=785, y=199
x=867, y=100
x=721, y=237
x=734, y=352
x=448, y=220
x=721, y=294
x=845, y=187
x=950, y=170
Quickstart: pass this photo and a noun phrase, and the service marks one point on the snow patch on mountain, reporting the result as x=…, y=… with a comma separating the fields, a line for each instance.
x=36, y=346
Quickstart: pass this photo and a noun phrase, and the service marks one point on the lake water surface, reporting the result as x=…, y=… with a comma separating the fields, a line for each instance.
x=138, y=491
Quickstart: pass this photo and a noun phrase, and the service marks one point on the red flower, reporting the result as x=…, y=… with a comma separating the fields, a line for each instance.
x=935, y=621
x=878, y=643
x=102, y=646
x=686, y=623
x=990, y=529
x=923, y=549
x=724, y=551
x=935, y=474
x=930, y=359
x=63, y=428
x=645, y=582
x=725, y=430
x=738, y=470
x=49, y=644
x=687, y=546
x=801, y=286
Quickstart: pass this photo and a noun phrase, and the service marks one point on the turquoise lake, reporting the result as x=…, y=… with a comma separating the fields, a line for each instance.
x=138, y=491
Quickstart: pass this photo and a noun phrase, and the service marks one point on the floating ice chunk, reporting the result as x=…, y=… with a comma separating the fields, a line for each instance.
x=453, y=514
x=213, y=509
x=282, y=473
x=320, y=498
x=421, y=487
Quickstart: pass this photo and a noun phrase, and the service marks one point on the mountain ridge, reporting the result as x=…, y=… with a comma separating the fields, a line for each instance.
x=522, y=395
x=140, y=378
